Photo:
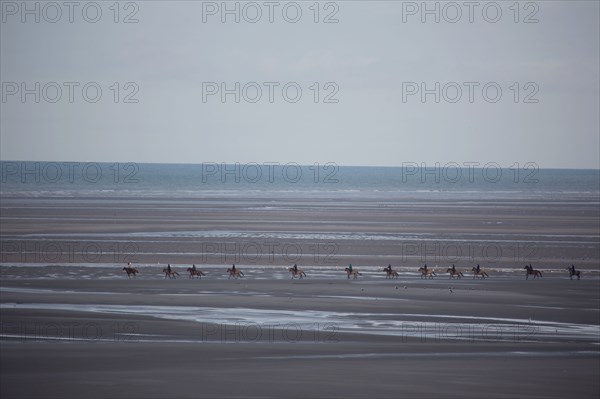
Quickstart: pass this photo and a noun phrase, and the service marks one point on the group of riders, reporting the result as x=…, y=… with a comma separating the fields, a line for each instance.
x=295, y=271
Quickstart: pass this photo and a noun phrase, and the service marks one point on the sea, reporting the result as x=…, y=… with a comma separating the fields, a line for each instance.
x=411, y=180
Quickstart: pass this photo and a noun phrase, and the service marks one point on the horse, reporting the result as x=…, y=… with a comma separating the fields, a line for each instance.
x=531, y=270
x=479, y=273
x=573, y=272
x=390, y=273
x=131, y=270
x=454, y=273
x=235, y=273
x=297, y=272
x=170, y=273
x=195, y=272
x=426, y=273
x=354, y=273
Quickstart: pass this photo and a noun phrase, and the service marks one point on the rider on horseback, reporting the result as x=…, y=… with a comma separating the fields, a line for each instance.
x=478, y=269
x=295, y=268
x=194, y=268
x=389, y=268
x=453, y=269
x=573, y=269
x=350, y=268
x=169, y=268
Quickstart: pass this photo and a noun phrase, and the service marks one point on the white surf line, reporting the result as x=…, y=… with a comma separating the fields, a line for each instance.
x=326, y=235
x=494, y=329
x=428, y=355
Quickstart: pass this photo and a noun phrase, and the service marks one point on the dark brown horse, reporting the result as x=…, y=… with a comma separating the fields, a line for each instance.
x=454, y=273
x=531, y=270
x=131, y=270
x=479, y=273
x=170, y=273
x=195, y=272
x=389, y=274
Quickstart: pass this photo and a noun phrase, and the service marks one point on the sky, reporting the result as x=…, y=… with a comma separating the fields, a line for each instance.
x=361, y=83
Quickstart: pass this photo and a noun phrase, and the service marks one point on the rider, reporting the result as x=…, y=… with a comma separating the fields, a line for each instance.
x=295, y=268
x=169, y=268
x=425, y=268
x=453, y=269
x=478, y=268
x=572, y=269
x=389, y=268
x=350, y=268
x=233, y=267
x=194, y=267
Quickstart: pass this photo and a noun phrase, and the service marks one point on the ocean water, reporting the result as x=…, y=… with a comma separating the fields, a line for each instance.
x=410, y=181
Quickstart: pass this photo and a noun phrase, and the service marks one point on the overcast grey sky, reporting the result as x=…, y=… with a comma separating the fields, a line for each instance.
x=369, y=70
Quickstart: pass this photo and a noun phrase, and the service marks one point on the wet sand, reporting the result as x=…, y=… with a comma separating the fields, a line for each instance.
x=312, y=232
x=270, y=336
x=73, y=325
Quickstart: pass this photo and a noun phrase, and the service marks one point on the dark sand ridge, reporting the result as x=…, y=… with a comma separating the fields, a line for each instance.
x=313, y=232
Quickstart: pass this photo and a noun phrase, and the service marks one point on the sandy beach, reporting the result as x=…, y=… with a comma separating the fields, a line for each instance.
x=77, y=326
x=319, y=337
